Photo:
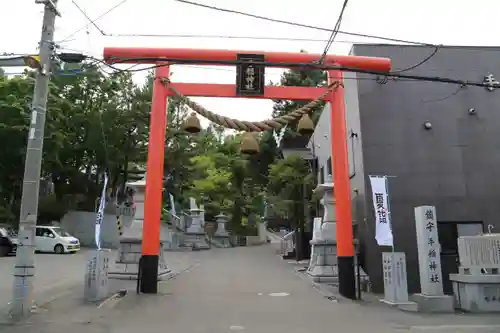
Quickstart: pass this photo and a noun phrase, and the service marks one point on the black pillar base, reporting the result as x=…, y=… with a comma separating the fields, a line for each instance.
x=149, y=274
x=347, y=277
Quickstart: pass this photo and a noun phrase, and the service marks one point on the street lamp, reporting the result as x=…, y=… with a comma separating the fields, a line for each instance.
x=31, y=61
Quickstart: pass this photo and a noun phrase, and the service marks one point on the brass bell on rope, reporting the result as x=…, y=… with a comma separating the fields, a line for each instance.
x=192, y=124
x=249, y=144
x=305, y=125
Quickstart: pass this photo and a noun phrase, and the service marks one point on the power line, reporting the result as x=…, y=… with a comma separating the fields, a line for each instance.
x=220, y=9
x=304, y=66
x=93, y=22
x=88, y=18
x=290, y=39
x=229, y=70
x=429, y=57
x=434, y=100
x=332, y=36
x=334, y=32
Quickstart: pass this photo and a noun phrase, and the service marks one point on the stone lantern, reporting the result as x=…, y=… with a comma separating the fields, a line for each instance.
x=195, y=233
x=130, y=249
x=323, y=264
x=221, y=236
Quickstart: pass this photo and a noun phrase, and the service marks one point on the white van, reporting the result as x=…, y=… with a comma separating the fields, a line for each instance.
x=55, y=239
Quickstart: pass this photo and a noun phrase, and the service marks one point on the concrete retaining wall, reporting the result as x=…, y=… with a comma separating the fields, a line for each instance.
x=82, y=226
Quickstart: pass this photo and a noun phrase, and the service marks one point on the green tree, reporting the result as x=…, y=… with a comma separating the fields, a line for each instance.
x=288, y=179
x=92, y=120
x=290, y=194
x=269, y=153
x=107, y=126
x=15, y=113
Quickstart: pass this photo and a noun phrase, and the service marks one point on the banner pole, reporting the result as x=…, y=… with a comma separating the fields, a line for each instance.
x=393, y=268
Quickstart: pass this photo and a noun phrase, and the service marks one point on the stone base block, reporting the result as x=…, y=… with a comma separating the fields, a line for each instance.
x=289, y=255
x=195, y=229
x=323, y=262
x=404, y=306
x=127, y=264
x=196, y=241
x=476, y=293
x=434, y=304
x=130, y=271
x=254, y=240
x=324, y=274
x=221, y=241
x=167, y=246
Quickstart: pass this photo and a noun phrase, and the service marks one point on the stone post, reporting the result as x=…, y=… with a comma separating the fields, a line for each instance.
x=431, y=298
x=316, y=234
x=395, y=281
x=262, y=230
x=96, y=275
x=202, y=216
x=323, y=265
x=130, y=249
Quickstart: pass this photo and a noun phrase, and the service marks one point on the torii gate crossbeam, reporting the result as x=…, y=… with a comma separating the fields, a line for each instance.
x=154, y=169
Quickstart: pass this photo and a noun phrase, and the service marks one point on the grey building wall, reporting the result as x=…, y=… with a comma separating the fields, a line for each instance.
x=320, y=144
x=454, y=166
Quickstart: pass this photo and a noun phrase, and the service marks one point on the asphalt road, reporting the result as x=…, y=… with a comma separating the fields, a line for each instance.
x=246, y=289
x=54, y=275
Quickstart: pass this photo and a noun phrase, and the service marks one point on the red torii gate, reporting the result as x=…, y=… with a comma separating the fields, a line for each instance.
x=158, y=120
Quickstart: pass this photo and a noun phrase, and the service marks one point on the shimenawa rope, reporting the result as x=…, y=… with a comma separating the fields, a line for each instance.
x=250, y=126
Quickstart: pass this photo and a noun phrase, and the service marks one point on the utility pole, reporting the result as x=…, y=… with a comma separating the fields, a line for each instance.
x=24, y=268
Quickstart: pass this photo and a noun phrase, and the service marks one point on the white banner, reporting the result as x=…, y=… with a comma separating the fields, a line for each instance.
x=380, y=196
x=100, y=213
x=172, y=204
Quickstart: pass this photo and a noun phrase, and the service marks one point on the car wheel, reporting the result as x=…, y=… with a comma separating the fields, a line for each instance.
x=59, y=249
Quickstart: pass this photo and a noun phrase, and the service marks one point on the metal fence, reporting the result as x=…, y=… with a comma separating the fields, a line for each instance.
x=286, y=243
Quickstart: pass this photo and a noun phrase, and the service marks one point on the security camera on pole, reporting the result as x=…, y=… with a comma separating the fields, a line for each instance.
x=24, y=268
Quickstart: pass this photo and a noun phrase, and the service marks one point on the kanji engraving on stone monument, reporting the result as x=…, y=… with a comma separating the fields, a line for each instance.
x=428, y=250
x=250, y=78
x=389, y=269
x=491, y=294
x=430, y=225
x=395, y=284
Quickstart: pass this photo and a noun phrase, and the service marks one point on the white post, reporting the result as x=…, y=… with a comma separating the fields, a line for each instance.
x=429, y=251
x=431, y=298
x=395, y=281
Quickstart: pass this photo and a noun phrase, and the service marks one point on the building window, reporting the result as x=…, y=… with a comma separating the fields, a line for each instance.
x=322, y=175
x=329, y=166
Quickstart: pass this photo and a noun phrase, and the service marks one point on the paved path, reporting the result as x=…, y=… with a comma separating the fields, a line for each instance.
x=54, y=274
x=243, y=289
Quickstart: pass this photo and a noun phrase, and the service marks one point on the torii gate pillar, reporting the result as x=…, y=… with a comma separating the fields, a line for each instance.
x=154, y=171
